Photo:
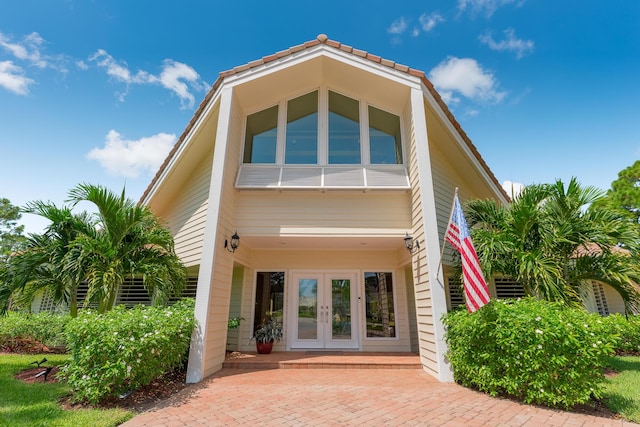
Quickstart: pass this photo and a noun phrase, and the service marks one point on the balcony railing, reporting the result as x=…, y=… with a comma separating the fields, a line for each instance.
x=369, y=177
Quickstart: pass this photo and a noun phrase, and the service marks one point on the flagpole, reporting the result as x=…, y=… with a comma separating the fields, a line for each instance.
x=444, y=240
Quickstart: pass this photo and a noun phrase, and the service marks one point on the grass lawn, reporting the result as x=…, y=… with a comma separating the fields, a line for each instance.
x=622, y=391
x=36, y=404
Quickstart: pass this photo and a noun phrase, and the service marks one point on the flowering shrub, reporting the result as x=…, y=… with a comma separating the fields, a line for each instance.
x=628, y=328
x=536, y=351
x=45, y=328
x=123, y=349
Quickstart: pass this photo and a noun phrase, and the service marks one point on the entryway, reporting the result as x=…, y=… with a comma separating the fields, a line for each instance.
x=323, y=310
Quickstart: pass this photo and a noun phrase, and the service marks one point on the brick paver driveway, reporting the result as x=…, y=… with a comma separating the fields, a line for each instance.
x=337, y=397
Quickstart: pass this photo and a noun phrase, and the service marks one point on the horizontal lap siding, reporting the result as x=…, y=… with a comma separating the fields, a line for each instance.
x=188, y=216
x=265, y=213
x=423, y=301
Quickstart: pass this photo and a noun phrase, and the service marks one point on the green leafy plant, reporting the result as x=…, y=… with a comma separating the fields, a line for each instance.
x=121, y=350
x=269, y=331
x=536, y=351
x=628, y=328
x=43, y=328
x=234, y=322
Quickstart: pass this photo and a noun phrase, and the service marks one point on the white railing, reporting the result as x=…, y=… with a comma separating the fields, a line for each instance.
x=364, y=177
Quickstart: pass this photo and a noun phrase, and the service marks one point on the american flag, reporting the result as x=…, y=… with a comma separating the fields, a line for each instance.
x=475, y=287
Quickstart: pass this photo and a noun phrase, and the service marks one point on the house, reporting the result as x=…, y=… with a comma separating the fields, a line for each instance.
x=319, y=160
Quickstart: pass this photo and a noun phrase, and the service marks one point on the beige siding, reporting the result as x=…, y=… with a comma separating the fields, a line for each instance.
x=423, y=301
x=188, y=214
x=614, y=300
x=450, y=169
x=290, y=212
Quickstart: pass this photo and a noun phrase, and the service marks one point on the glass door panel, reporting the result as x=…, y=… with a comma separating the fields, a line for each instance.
x=308, y=309
x=341, y=309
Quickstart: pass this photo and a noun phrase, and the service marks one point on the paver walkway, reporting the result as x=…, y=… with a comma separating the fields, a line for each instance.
x=345, y=397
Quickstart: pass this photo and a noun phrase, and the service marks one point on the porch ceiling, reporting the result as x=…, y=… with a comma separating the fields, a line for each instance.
x=313, y=242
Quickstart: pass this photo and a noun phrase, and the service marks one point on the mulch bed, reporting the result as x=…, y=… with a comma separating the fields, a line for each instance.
x=29, y=346
x=29, y=375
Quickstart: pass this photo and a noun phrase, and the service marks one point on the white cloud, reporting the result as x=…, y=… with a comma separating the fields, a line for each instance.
x=398, y=26
x=119, y=72
x=513, y=189
x=130, y=158
x=27, y=50
x=428, y=22
x=175, y=76
x=488, y=7
x=466, y=77
x=13, y=79
x=510, y=44
x=82, y=65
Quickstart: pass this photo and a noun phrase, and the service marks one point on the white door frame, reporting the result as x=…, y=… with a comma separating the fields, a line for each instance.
x=323, y=305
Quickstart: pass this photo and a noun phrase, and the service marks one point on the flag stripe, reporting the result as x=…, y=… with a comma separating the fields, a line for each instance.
x=475, y=287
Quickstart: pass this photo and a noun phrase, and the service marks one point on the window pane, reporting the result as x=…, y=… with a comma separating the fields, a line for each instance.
x=302, y=130
x=269, y=296
x=384, y=137
x=381, y=319
x=261, y=136
x=344, y=130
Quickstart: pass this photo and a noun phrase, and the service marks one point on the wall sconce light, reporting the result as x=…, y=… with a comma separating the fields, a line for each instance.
x=412, y=245
x=233, y=245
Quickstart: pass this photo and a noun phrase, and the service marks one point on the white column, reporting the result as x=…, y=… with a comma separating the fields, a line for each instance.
x=198, y=352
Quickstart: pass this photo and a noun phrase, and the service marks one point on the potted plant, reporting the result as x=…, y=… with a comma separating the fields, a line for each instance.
x=267, y=333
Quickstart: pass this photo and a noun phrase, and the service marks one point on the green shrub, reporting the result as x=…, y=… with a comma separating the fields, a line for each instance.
x=536, y=351
x=44, y=328
x=124, y=349
x=628, y=328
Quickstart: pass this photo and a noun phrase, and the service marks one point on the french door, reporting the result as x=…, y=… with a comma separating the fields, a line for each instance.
x=323, y=311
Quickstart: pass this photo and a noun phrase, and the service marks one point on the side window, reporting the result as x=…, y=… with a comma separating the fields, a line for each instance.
x=380, y=314
x=301, y=146
x=269, y=296
x=261, y=136
x=384, y=137
x=344, y=130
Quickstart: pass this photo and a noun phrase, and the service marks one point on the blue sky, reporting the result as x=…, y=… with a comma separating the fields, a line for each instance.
x=98, y=91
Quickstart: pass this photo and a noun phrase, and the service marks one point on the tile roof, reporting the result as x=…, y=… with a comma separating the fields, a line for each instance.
x=323, y=39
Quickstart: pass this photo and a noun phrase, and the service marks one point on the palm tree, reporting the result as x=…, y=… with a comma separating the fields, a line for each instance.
x=43, y=264
x=552, y=243
x=128, y=241
x=120, y=241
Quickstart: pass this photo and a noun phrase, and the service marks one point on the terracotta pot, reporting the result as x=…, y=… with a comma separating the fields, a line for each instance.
x=264, y=347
